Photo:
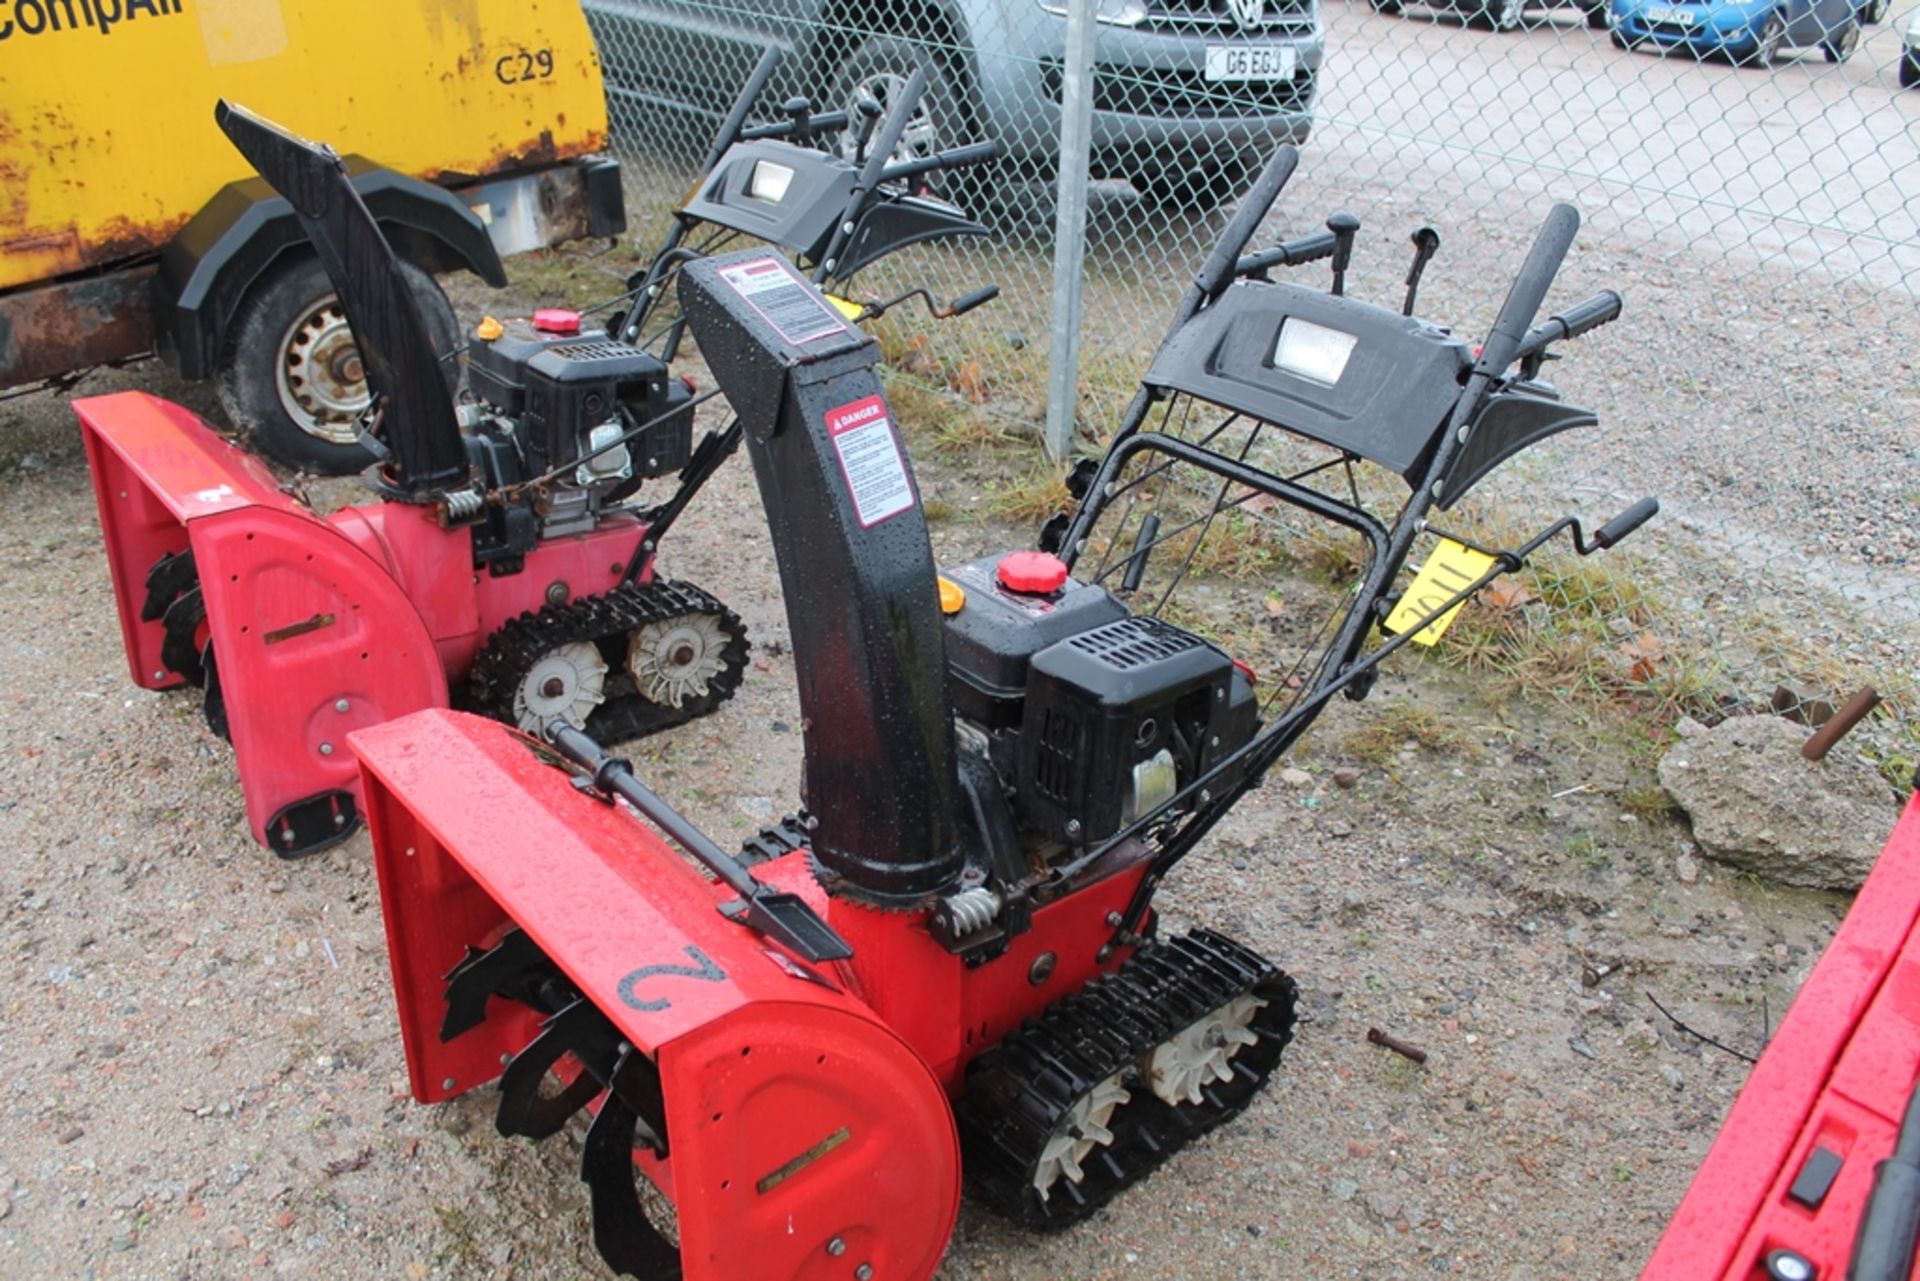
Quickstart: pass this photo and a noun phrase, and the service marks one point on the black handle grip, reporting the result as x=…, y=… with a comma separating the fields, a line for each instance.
x=1625, y=523
x=1308, y=248
x=1344, y=227
x=1603, y=308
x=1218, y=270
x=742, y=105
x=967, y=302
x=1529, y=289
x=818, y=122
x=974, y=153
x=893, y=128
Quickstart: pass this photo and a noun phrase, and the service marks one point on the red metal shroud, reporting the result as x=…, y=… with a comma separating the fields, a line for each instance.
x=794, y=1115
x=319, y=627
x=1836, y=1075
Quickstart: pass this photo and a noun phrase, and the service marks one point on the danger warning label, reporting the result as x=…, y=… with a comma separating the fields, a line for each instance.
x=870, y=460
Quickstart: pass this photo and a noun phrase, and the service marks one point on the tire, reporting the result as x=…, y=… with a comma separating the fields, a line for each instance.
x=1195, y=191
x=1767, y=46
x=1910, y=71
x=1619, y=39
x=879, y=67
x=1873, y=12
x=1598, y=18
x=1387, y=6
x=286, y=378
x=1840, y=45
x=1505, y=15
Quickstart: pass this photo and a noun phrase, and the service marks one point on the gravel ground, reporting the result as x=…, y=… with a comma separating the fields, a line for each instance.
x=205, y=1081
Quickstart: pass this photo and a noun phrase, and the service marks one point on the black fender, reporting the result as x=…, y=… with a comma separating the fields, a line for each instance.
x=206, y=270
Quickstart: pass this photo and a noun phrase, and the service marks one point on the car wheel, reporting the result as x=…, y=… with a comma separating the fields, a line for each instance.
x=291, y=376
x=1507, y=14
x=878, y=68
x=1874, y=11
x=1766, y=49
x=1910, y=71
x=1599, y=18
x=1198, y=190
x=1840, y=45
x=1621, y=40
x=1387, y=6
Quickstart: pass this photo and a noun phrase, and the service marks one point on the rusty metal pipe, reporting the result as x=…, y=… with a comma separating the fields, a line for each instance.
x=1846, y=718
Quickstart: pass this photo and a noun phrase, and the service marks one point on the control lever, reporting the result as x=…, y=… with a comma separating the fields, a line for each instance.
x=958, y=307
x=870, y=111
x=1622, y=525
x=1603, y=308
x=800, y=112
x=1426, y=243
x=1344, y=227
x=818, y=122
x=1289, y=253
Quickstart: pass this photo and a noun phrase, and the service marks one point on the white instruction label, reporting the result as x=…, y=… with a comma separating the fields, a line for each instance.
x=789, y=306
x=870, y=460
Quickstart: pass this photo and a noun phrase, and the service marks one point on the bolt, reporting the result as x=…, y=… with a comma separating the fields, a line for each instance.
x=447, y=1084
x=340, y=705
x=683, y=656
x=1042, y=968
x=1106, y=950
x=506, y=1057
x=846, y=228
x=1073, y=829
x=554, y=687
x=160, y=675
x=812, y=822
x=1113, y=918
x=557, y=593
x=836, y=1247
x=339, y=821
x=863, y=1273
x=326, y=749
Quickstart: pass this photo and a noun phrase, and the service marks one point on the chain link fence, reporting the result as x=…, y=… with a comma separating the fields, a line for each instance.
x=1749, y=173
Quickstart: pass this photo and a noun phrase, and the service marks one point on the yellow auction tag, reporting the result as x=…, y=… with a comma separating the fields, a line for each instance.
x=851, y=310
x=1449, y=568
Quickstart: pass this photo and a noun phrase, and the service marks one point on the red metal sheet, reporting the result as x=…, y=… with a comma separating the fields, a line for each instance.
x=1838, y=1071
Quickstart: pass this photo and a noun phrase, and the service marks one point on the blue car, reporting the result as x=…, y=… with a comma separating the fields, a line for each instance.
x=1751, y=32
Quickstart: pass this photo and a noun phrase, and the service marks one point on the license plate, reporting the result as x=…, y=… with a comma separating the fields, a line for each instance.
x=1660, y=13
x=1450, y=568
x=1250, y=62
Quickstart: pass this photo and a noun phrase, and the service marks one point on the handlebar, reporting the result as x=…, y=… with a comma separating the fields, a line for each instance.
x=1529, y=290
x=1601, y=309
x=974, y=153
x=815, y=122
x=967, y=302
x=1291, y=253
x=1218, y=270
x=737, y=114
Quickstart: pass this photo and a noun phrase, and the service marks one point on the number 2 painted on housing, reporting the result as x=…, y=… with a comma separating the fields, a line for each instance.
x=522, y=65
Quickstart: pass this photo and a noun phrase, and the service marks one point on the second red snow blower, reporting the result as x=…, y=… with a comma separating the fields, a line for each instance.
x=506, y=566
x=948, y=962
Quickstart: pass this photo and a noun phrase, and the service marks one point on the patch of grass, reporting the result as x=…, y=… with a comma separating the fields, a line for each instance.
x=1030, y=497
x=1648, y=801
x=1397, y=724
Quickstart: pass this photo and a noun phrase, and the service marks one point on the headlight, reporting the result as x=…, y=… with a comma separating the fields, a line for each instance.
x=1118, y=13
x=1313, y=352
x=769, y=181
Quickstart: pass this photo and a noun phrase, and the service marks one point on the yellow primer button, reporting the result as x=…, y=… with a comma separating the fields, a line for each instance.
x=1449, y=568
x=846, y=307
x=952, y=598
x=489, y=329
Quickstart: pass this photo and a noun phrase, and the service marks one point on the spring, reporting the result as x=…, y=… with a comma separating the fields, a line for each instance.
x=971, y=910
x=464, y=504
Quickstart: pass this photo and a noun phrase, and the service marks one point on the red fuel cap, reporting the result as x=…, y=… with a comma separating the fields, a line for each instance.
x=1032, y=573
x=556, y=320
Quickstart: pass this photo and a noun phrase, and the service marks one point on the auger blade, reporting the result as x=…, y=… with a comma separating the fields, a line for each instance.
x=514, y=968
x=626, y=1239
x=579, y=1030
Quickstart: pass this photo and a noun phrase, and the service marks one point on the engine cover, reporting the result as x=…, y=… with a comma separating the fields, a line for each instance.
x=1117, y=719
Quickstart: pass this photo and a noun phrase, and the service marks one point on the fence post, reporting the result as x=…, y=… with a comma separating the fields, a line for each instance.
x=1070, y=226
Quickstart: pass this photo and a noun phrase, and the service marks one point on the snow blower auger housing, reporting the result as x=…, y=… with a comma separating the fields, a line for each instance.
x=950, y=956
x=498, y=567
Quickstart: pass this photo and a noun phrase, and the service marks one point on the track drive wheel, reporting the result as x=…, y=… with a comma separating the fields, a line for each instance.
x=1093, y=1094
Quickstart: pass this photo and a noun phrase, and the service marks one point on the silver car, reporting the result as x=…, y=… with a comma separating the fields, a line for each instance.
x=1910, y=53
x=1188, y=95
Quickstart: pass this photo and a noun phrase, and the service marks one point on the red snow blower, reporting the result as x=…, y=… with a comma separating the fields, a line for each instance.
x=949, y=960
x=1815, y=1175
x=505, y=566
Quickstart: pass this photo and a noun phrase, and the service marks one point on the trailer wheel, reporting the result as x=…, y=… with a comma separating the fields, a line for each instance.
x=291, y=377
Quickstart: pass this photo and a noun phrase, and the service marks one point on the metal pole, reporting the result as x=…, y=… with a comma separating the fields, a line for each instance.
x=1070, y=226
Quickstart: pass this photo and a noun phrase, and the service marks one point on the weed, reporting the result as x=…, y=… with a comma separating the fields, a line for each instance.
x=1031, y=497
x=1397, y=724
x=1648, y=801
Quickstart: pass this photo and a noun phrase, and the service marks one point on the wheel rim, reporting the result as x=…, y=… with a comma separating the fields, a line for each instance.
x=1179, y=1069
x=1079, y=1132
x=921, y=137
x=678, y=659
x=320, y=376
x=1510, y=13
x=568, y=682
x=1770, y=41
